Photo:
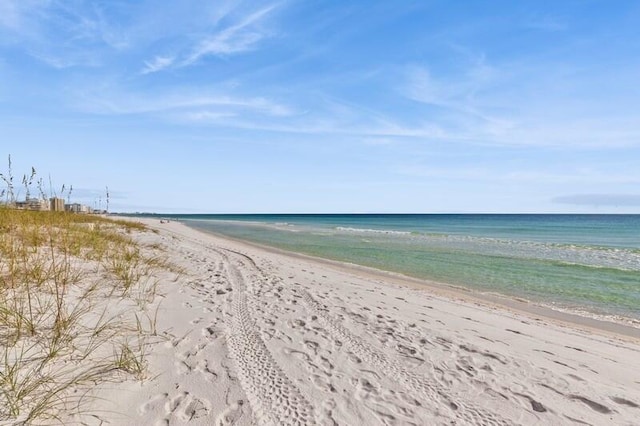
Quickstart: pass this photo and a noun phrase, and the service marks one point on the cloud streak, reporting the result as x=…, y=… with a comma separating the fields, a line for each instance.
x=157, y=64
x=512, y=105
x=59, y=34
x=237, y=38
x=16, y=15
x=595, y=200
x=240, y=37
x=194, y=106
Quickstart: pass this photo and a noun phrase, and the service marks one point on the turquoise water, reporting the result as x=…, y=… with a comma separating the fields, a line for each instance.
x=586, y=263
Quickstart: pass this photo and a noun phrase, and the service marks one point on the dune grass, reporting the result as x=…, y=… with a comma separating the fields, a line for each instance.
x=75, y=297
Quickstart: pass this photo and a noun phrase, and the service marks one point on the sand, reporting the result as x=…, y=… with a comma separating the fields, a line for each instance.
x=259, y=337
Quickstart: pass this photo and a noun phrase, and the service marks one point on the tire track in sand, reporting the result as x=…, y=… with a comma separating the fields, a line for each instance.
x=459, y=411
x=273, y=397
x=465, y=412
x=276, y=400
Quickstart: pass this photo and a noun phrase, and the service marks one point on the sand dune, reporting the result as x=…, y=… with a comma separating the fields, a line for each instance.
x=253, y=336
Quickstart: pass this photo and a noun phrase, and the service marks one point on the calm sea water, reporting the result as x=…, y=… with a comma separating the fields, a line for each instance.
x=585, y=263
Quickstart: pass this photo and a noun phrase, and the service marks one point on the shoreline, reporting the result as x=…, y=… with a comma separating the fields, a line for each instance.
x=502, y=301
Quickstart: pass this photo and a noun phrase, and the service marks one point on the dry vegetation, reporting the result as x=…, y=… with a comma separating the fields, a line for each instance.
x=77, y=305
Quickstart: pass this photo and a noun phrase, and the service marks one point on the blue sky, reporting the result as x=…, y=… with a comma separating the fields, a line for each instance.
x=324, y=106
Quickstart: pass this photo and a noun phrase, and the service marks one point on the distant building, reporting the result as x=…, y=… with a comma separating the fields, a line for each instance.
x=56, y=204
x=77, y=208
x=33, y=204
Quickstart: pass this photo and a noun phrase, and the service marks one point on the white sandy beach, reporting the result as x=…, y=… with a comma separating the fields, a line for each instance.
x=258, y=337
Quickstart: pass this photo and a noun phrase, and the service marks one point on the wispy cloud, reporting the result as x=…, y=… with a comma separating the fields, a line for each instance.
x=63, y=34
x=457, y=102
x=458, y=91
x=621, y=200
x=68, y=59
x=378, y=141
x=21, y=22
x=522, y=104
x=57, y=33
x=157, y=64
x=15, y=14
x=241, y=34
x=9, y=14
x=189, y=104
x=94, y=194
x=206, y=116
x=237, y=38
x=551, y=175
x=547, y=23
x=438, y=172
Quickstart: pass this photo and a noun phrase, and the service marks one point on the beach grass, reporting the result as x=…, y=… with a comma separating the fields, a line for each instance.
x=75, y=292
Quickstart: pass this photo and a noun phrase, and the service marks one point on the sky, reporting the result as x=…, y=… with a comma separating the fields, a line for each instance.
x=309, y=106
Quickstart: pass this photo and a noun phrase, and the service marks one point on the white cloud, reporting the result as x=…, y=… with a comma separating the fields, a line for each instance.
x=438, y=172
x=59, y=34
x=206, y=116
x=521, y=104
x=423, y=88
x=9, y=14
x=158, y=63
x=457, y=104
x=14, y=14
x=242, y=36
x=67, y=60
x=523, y=176
x=458, y=90
x=237, y=38
x=21, y=20
x=599, y=199
x=378, y=141
x=546, y=23
x=188, y=105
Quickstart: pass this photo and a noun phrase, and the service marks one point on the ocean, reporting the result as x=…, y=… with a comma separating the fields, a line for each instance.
x=585, y=264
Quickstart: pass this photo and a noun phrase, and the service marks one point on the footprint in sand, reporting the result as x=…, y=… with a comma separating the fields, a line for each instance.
x=192, y=408
x=154, y=403
x=231, y=415
x=182, y=406
x=203, y=368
